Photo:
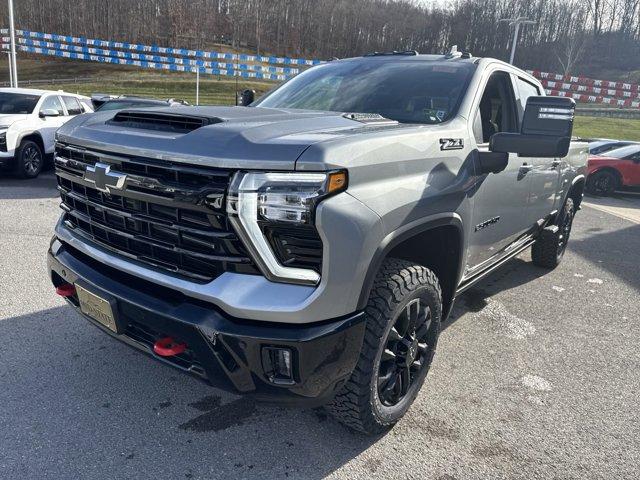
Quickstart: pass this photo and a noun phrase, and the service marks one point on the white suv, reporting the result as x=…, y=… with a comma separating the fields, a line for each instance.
x=28, y=121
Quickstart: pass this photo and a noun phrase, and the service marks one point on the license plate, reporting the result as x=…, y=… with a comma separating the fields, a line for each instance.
x=97, y=308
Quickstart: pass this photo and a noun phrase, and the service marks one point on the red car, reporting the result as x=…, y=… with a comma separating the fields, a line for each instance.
x=619, y=168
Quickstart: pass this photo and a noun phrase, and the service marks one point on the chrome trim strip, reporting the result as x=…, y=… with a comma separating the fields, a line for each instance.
x=473, y=279
x=239, y=295
x=132, y=180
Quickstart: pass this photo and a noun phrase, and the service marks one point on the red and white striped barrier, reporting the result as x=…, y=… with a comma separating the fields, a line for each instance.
x=580, y=97
x=579, y=80
x=586, y=89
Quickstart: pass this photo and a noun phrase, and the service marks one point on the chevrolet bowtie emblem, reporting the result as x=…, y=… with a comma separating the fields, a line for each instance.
x=104, y=179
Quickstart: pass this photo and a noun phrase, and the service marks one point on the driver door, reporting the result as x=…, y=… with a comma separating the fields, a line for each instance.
x=500, y=204
x=630, y=168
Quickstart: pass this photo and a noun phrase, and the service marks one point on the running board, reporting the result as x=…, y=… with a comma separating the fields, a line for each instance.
x=480, y=275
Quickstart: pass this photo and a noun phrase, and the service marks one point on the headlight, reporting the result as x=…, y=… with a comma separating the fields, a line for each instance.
x=258, y=201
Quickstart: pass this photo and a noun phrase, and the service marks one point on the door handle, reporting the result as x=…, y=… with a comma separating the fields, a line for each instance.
x=525, y=167
x=555, y=164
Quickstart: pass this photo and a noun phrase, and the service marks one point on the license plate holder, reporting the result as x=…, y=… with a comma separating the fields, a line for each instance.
x=97, y=308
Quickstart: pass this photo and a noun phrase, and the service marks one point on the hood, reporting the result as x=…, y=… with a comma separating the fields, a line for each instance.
x=602, y=159
x=8, y=119
x=228, y=137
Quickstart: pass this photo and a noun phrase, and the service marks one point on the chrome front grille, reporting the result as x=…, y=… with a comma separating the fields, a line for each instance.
x=167, y=215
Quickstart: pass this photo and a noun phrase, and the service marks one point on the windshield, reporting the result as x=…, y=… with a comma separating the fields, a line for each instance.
x=119, y=105
x=601, y=147
x=16, y=103
x=623, y=152
x=409, y=91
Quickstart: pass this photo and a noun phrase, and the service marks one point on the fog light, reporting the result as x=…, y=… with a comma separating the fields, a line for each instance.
x=278, y=365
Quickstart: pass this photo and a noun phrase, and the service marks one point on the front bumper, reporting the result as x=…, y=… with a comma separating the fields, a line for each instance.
x=6, y=160
x=223, y=351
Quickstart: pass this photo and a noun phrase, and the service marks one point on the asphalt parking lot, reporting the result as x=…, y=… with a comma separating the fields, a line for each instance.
x=537, y=376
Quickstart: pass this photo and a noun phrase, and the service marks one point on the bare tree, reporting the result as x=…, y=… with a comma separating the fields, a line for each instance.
x=328, y=28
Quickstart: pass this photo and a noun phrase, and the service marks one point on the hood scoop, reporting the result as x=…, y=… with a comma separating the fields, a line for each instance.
x=160, y=121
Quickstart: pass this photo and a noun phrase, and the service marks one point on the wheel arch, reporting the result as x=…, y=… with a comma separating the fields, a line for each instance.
x=444, y=255
x=610, y=169
x=34, y=136
x=576, y=192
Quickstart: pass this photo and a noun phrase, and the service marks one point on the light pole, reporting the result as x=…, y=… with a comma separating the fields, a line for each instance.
x=10, y=69
x=516, y=22
x=12, y=60
x=198, y=85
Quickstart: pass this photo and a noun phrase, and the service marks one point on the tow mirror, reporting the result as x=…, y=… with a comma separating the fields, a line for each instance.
x=546, y=130
x=49, y=112
x=246, y=97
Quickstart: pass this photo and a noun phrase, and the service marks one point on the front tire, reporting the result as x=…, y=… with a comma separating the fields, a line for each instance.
x=602, y=183
x=549, y=248
x=402, y=328
x=29, y=159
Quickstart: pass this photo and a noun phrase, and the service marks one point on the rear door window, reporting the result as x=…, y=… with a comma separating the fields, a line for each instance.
x=73, y=105
x=525, y=90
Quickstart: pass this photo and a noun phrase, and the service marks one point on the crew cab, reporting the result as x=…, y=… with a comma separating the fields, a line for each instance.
x=28, y=121
x=614, y=169
x=306, y=248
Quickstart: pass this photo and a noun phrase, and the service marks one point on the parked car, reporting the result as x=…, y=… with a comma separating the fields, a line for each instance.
x=28, y=121
x=103, y=102
x=307, y=248
x=614, y=170
x=599, y=147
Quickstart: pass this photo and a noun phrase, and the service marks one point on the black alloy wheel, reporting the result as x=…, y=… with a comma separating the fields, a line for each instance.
x=29, y=159
x=404, y=355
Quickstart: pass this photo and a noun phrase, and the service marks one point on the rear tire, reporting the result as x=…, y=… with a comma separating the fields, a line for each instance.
x=29, y=159
x=603, y=183
x=402, y=327
x=549, y=248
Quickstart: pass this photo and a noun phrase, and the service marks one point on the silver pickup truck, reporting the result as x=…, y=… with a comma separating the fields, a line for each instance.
x=306, y=248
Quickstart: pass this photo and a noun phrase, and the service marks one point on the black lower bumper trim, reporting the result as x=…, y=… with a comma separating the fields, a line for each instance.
x=223, y=351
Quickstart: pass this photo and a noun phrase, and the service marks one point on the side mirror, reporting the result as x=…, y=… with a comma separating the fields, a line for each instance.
x=546, y=130
x=49, y=112
x=246, y=98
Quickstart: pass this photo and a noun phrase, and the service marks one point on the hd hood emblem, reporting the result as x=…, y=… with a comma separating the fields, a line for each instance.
x=104, y=179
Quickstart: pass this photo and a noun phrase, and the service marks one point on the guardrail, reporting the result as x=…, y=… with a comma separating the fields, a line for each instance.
x=627, y=113
x=52, y=81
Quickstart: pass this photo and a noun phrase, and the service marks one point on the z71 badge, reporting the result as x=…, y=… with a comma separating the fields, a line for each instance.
x=451, y=144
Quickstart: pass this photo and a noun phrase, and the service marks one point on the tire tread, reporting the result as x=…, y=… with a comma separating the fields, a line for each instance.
x=396, y=279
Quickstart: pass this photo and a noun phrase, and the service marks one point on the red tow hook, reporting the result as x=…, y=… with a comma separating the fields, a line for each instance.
x=168, y=347
x=66, y=290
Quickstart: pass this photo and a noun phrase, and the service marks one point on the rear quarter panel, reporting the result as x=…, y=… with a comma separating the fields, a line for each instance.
x=573, y=168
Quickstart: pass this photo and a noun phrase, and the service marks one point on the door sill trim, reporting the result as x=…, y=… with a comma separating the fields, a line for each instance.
x=483, y=273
